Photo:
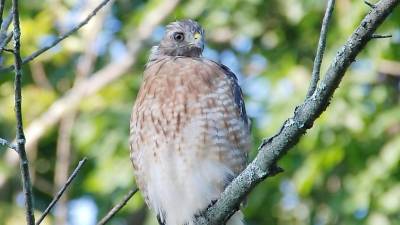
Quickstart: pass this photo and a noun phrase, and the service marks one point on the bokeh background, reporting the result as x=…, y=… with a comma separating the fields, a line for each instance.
x=77, y=99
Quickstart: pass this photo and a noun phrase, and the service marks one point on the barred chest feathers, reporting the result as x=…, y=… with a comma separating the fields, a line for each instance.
x=189, y=137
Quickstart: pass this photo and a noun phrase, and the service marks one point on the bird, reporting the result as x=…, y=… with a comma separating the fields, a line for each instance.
x=189, y=131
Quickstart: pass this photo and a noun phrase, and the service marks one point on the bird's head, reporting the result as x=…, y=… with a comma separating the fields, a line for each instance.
x=182, y=38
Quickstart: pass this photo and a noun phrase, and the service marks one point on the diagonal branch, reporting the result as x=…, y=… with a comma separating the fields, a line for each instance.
x=6, y=23
x=5, y=41
x=20, y=137
x=118, y=207
x=83, y=69
x=4, y=142
x=321, y=48
x=61, y=191
x=1, y=10
x=4, y=37
x=62, y=37
x=272, y=149
x=369, y=4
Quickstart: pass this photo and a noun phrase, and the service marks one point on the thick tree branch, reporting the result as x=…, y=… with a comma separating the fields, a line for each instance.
x=272, y=149
x=20, y=137
x=62, y=37
x=117, y=207
x=321, y=48
x=61, y=191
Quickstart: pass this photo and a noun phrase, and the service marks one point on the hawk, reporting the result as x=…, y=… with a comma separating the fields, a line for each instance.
x=189, y=132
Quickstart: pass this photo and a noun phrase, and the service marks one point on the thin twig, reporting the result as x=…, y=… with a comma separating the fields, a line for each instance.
x=320, y=48
x=376, y=36
x=4, y=42
x=373, y=6
x=4, y=26
x=1, y=10
x=83, y=69
x=62, y=37
x=7, y=50
x=4, y=142
x=4, y=37
x=20, y=137
x=61, y=191
x=118, y=207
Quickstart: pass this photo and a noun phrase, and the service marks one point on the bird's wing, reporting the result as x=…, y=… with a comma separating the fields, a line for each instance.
x=238, y=117
x=237, y=93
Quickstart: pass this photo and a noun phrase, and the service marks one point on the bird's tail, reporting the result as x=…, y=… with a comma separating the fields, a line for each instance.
x=236, y=219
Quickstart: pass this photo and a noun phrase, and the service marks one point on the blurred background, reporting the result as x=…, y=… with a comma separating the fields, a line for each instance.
x=77, y=99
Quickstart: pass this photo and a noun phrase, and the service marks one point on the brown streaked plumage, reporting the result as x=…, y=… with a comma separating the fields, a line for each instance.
x=189, y=129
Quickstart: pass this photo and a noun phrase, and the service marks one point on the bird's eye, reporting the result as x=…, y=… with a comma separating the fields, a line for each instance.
x=178, y=36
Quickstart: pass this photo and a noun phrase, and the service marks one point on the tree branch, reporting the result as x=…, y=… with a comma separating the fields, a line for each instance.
x=1, y=12
x=117, y=207
x=4, y=37
x=369, y=4
x=62, y=37
x=377, y=36
x=5, y=24
x=4, y=42
x=321, y=48
x=83, y=69
x=61, y=191
x=272, y=149
x=4, y=142
x=20, y=137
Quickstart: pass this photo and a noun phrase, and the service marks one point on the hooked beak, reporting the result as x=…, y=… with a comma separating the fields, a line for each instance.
x=198, y=40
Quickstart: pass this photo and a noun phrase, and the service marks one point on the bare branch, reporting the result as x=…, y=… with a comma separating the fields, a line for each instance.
x=118, y=207
x=62, y=37
x=321, y=48
x=373, y=6
x=4, y=37
x=4, y=27
x=6, y=23
x=9, y=50
x=4, y=42
x=4, y=142
x=1, y=10
x=377, y=36
x=20, y=137
x=61, y=191
x=84, y=67
x=272, y=149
